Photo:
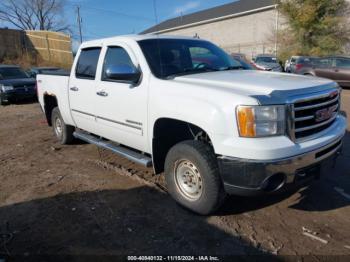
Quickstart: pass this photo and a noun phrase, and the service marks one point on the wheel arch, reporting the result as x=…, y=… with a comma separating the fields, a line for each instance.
x=168, y=132
x=50, y=102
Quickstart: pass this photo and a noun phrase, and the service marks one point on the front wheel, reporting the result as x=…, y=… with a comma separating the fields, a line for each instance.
x=63, y=132
x=192, y=177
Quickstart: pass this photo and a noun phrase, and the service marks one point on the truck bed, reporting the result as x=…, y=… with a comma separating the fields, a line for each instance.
x=56, y=73
x=56, y=85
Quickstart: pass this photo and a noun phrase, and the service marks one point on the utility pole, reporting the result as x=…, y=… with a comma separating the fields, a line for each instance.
x=79, y=19
x=277, y=28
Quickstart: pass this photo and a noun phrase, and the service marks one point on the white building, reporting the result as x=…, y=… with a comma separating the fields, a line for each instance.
x=245, y=26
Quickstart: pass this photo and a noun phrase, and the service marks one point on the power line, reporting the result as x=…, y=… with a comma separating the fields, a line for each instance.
x=118, y=13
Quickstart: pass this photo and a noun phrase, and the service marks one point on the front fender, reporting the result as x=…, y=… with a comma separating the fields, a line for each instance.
x=209, y=117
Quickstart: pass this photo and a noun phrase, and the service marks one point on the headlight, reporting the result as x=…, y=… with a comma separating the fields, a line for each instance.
x=6, y=88
x=260, y=67
x=261, y=121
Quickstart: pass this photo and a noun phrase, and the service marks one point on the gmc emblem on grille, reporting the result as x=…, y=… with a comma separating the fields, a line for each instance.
x=325, y=114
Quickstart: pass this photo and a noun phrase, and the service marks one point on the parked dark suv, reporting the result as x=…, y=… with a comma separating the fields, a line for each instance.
x=15, y=84
x=336, y=68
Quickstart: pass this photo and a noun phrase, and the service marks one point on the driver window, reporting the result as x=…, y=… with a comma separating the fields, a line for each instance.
x=116, y=56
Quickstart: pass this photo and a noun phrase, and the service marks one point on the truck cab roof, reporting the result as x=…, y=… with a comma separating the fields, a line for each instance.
x=136, y=38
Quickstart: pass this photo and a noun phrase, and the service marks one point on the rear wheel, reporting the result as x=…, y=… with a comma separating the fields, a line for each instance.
x=193, y=178
x=63, y=132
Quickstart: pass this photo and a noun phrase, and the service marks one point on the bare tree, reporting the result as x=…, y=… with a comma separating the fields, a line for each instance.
x=34, y=14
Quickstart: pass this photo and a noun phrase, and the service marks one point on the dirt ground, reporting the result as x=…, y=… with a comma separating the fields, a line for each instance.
x=78, y=200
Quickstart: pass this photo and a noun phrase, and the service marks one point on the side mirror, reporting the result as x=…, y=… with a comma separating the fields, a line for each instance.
x=123, y=73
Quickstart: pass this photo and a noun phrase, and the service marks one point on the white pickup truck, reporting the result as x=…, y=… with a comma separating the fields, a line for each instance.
x=188, y=109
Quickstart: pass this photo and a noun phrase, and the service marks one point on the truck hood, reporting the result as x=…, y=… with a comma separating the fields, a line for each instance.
x=268, y=65
x=18, y=82
x=266, y=87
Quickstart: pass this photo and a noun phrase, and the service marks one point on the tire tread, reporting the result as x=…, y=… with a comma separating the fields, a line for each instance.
x=214, y=194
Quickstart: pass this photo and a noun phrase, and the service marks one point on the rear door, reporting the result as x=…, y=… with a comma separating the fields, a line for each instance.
x=121, y=108
x=82, y=85
x=342, y=70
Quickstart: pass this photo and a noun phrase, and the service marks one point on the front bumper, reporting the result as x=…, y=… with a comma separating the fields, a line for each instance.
x=18, y=94
x=254, y=177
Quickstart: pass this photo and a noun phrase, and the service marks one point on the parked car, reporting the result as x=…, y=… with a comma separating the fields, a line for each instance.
x=211, y=128
x=267, y=62
x=40, y=70
x=336, y=68
x=15, y=84
x=299, y=64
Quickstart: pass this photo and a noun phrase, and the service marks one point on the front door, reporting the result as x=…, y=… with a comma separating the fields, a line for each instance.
x=121, y=107
x=82, y=89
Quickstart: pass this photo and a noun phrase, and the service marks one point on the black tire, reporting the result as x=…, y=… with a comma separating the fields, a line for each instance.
x=63, y=132
x=204, y=161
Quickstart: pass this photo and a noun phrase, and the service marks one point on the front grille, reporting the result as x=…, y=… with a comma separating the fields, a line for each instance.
x=315, y=114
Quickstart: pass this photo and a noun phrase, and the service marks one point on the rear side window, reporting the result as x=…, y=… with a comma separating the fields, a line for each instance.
x=87, y=63
x=324, y=62
x=343, y=62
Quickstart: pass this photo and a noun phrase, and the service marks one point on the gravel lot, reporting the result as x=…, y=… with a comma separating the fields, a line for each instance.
x=78, y=200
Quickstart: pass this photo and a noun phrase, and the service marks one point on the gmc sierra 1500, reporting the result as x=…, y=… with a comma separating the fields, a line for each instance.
x=187, y=108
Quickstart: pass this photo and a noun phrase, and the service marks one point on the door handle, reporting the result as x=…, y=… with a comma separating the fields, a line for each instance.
x=102, y=93
x=74, y=88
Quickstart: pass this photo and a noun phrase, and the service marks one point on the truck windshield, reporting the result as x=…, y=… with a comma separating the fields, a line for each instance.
x=12, y=73
x=169, y=58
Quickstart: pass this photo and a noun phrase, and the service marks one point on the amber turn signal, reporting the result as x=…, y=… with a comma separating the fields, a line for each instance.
x=246, y=121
